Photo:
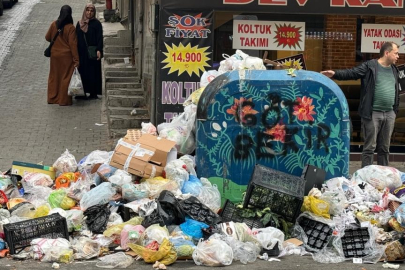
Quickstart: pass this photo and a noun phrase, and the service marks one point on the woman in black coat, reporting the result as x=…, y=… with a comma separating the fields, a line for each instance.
x=90, y=34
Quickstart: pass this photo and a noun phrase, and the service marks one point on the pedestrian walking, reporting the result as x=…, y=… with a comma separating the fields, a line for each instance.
x=90, y=46
x=379, y=101
x=64, y=57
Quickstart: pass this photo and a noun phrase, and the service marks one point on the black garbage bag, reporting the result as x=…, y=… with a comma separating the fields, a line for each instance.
x=97, y=218
x=168, y=211
x=199, y=211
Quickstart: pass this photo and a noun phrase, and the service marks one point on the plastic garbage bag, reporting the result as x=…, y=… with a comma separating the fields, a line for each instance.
x=116, y=229
x=97, y=218
x=75, y=85
x=42, y=211
x=33, y=179
x=58, y=254
x=105, y=170
x=132, y=192
x=269, y=237
x=85, y=248
x=101, y=194
x=154, y=233
x=65, y=163
x=317, y=206
x=148, y=128
x=166, y=254
x=192, y=186
x=193, y=228
x=24, y=210
x=74, y=219
x=243, y=252
x=379, y=177
x=114, y=219
x=213, y=252
x=207, y=77
x=40, y=246
x=158, y=184
x=38, y=195
x=198, y=211
x=56, y=197
x=131, y=234
x=120, y=177
x=64, y=180
x=115, y=260
x=211, y=197
x=176, y=170
x=137, y=204
x=190, y=164
x=96, y=157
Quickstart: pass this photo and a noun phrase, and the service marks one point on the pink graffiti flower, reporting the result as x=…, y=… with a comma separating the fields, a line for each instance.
x=304, y=110
x=238, y=111
x=277, y=132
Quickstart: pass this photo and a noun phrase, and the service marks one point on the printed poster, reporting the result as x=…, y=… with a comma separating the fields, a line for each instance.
x=374, y=35
x=185, y=52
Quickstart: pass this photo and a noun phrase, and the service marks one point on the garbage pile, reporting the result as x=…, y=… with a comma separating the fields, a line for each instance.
x=145, y=200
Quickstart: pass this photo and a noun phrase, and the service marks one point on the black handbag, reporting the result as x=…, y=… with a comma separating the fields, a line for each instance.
x=47, y=51
x=91, y=50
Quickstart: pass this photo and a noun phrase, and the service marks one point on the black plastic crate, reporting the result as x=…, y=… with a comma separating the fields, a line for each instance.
x=20, y=234
x=354, y=242
x=318, y=233
x=283, y=193
x=231, y=213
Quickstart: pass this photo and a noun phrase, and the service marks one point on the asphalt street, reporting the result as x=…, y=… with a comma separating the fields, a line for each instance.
x=30, y=129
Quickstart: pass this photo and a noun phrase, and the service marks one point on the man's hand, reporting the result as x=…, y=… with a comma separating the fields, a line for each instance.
x=328, y=73
x=98, y=55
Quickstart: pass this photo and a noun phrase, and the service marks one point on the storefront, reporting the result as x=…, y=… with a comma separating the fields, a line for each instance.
x=195, y=35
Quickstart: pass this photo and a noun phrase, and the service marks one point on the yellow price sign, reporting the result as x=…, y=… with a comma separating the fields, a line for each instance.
x=186, y=58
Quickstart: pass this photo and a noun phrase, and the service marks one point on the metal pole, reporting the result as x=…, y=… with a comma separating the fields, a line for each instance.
x=132, y=14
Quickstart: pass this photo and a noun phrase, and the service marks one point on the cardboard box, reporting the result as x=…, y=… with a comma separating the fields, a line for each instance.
x=143, y=156
x=20, y=168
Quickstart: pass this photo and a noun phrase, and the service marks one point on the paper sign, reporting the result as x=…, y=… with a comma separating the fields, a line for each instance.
x=267, y=35
x=374, y=35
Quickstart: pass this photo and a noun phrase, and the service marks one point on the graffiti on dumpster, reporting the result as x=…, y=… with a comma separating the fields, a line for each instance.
x=282, y=127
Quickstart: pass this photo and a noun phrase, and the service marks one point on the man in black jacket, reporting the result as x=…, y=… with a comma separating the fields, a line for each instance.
x=379, y=101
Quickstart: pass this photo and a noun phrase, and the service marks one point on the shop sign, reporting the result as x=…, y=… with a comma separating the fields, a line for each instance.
x=268, y=35
x=358, y=7
x=374, y=35
x=185, y=49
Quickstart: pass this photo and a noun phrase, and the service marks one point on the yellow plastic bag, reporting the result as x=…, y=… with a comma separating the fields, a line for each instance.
x=42, y=211
x=116, y=229
x=316, y=206
x=67, y=203
x=166, y=253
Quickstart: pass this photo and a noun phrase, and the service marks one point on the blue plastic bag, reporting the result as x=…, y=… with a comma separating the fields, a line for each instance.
x=192, y=186
x=193, y=228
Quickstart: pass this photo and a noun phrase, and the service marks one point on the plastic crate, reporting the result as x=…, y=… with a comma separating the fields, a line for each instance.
x=283, y=193
x=19, y=234
x=318, y=233
x=231, y=213
x=354, y=242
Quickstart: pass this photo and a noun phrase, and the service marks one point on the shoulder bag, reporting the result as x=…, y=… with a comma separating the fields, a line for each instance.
x=47, y=51
x=91, y=50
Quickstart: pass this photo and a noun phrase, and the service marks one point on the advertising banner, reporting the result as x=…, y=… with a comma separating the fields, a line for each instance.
x=374, y=35
x=185, y=52
x=294, y=61
x=266, y=35
x=401, y=69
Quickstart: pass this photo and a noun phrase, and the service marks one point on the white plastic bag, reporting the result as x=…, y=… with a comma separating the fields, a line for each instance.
x=65, y=163
x=213, y=252
x=269, y=237
x=75, y=85
x=207, y=77
x=379, y=177
x=211, y=197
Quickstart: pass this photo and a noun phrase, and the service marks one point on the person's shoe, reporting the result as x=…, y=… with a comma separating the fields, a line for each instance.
x=81, y=97
x=93, y=97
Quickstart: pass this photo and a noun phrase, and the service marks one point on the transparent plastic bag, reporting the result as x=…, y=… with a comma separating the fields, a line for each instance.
x=207, y=77
x=101, y=194
x=379, y=177
x=154, y=233
x=33, y=179
x=75, y=85
x=242, y=251
x=85, y=248
x=58, y=254
x=211, y=197
x=96, y=157
x=213, y=252
x=176, y=170
x=132, y=192
x=65, y=163
x=40, y=246
x=131, y=234
x=120, y=177
x=74, y=219
x=115, y=260
x=148, y=128
x=116, y=229
x=269, y=237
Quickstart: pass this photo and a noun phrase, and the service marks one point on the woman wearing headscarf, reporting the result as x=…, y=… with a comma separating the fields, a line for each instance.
x=90, y=34
x=64, y=57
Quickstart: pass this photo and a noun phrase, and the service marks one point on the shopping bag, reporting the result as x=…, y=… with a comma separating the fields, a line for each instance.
x=75, y=85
